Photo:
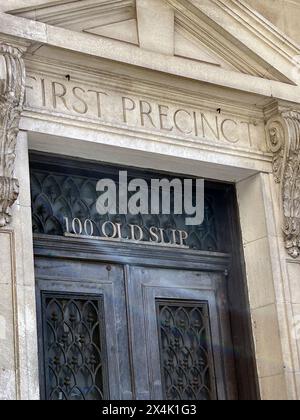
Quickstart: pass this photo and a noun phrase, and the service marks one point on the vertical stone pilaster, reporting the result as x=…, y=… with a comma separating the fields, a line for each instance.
x=18, y=338
x=12, y=87
x=283, y=135
x=27, y=353
x=18, y=331
x=9, y=366
x=263, y=275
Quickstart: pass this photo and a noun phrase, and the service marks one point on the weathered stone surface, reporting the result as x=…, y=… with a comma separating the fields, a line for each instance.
x=283, y=133
x=146, y=119
x=12, y=95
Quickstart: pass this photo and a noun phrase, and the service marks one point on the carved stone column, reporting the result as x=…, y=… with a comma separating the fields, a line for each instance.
x=12, y=92
x=283, y=132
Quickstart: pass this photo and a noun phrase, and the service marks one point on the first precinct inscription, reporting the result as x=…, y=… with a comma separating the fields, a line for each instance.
x=108, y=106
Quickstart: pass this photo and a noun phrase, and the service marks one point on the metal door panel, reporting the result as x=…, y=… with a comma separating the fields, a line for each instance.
x=99, y=280
x=146, y=286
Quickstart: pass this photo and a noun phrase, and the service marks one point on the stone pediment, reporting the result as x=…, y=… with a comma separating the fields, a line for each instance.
x=115, y=19
x=224, y=33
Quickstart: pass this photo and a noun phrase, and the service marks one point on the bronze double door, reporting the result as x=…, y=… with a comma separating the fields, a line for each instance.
x=121, y=332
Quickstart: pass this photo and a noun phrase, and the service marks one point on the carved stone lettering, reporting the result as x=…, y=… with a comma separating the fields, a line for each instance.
x=283, y=133
x=12, y=90
x=104, y=105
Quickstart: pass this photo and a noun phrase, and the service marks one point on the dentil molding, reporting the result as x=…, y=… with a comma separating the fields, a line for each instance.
x=283, y=132
x=12, y=92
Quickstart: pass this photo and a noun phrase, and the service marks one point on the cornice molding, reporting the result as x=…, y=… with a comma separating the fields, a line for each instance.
x=230, y=28
x=283, y=134
x=220, y=42
x=255, y=32
x=66, y=13
x=12, y=92
x=245, y=14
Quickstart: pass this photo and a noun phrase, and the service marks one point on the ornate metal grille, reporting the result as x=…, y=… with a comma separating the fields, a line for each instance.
x=74, y=346
x=58, y=192
x=186, y=353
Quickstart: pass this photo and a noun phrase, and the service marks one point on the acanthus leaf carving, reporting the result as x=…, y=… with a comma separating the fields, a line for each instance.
x=283, y=133
x=12, y=93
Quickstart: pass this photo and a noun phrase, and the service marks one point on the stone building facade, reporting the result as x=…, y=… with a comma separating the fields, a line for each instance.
x=202, y=88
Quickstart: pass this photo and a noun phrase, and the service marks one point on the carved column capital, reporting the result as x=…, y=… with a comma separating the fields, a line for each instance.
x=12, y=92
x=283, y=134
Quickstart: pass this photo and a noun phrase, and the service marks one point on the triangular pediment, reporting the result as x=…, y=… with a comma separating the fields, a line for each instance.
x=115, y=19
x=203, y=37
x=193, y=30
x=122, y=31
